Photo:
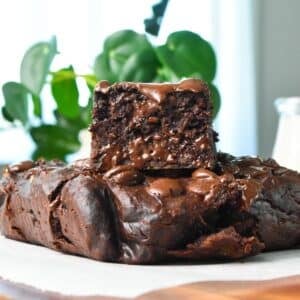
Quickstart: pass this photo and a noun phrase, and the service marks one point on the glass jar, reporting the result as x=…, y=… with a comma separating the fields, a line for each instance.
x=287, y=144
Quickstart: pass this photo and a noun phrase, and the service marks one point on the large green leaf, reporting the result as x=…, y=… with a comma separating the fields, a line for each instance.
x=128, y=56
x=35, y=65
x=91, y=81
x=65, y=92
x=188, y=55
x=16, y=101
x=48, y=153
x=216, y=99
x=37, y=105
x=102, y=68
x=86, y=113
x=137, y=67
x=6, y=115
x=54, y=141
x=74, y=125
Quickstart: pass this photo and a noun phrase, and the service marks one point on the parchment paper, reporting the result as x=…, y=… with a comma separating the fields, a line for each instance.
x=71, y=275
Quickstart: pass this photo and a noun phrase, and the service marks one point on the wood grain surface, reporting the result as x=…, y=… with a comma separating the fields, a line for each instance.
x=279, y=289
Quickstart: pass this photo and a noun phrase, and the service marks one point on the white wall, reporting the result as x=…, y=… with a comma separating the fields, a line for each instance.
x=278, y=63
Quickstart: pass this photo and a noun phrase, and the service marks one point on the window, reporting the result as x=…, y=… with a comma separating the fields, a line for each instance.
x=81, y=26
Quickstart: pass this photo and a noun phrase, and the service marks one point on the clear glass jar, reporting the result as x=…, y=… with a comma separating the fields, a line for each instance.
x=287, y=144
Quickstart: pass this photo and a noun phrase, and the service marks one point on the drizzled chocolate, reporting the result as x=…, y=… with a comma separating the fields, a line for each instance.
x=153, y=126
x=125, y=175
x=157, y=91
x=166, y=187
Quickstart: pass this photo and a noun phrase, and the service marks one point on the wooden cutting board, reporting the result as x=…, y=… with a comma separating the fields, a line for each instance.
x=279, y=289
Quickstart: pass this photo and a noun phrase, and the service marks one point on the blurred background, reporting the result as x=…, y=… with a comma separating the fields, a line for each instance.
x=257, y=44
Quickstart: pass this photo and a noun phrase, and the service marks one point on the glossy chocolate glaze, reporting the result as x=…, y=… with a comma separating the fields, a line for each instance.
x=157, y=91
x=153, y=126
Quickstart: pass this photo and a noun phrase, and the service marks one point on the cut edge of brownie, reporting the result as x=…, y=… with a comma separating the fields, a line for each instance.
x=153, y=126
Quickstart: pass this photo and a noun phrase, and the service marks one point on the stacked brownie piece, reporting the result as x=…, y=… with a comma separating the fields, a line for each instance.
x=153, y=126
x=154, y=188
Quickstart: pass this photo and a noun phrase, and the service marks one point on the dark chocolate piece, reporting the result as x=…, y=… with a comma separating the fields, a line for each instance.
x=153, y=126
x=271, y=194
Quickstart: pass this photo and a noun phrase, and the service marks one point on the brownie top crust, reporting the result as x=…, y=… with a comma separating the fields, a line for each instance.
x=156, y=91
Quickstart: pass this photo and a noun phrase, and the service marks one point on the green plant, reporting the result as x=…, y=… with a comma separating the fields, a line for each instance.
x=129, y=56
x=126, y=56
x=60, y=138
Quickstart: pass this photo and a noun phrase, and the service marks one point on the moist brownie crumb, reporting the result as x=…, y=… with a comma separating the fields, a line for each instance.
x=153, y=126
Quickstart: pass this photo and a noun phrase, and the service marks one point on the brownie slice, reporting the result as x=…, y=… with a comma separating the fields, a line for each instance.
x=153, y=126
x=271, y=194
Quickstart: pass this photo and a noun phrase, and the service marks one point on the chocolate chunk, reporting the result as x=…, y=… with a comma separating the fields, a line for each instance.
x=166, y=187
x=125, y=175
x=203, y=173
x=23, y=166
x=202, y=185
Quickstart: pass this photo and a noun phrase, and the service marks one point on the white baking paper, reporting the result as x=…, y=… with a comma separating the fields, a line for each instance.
x=71, y=275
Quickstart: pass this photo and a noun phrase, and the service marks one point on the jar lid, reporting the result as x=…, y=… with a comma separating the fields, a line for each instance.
x=289, y=105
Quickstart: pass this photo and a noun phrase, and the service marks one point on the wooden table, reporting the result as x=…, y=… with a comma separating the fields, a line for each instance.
x=278, y=289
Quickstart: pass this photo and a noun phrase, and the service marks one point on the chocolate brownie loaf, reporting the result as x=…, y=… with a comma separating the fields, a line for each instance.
x=124, y=216
x=153, y=126
x=129, y=216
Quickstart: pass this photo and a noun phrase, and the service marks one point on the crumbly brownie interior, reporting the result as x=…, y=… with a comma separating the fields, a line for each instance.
x=132, y=127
